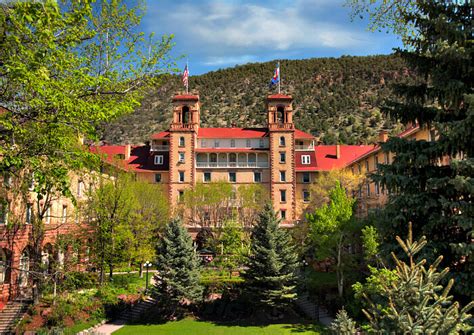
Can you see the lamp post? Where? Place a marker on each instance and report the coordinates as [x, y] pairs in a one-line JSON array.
[[147, 265]]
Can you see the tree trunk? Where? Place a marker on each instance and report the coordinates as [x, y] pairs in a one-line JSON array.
[[111, 271], [140, 271], [340, 275]]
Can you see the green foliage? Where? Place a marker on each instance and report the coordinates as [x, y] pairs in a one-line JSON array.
[[272, 262], [343, 324], [178, 267], [370, 242], [78, 280], [331, 226], [411, 298], [431, 182], [337, 99]]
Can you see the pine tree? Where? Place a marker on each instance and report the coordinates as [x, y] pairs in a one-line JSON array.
[[431, 181], [178, 267], [343, 324], [270, 276], [414, 301]]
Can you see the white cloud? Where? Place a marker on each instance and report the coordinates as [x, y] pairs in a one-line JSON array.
[[219, 61]]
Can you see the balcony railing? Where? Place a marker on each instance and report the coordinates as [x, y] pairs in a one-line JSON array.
[[232, 164], [274, 126], [156, 147], [304, 147]]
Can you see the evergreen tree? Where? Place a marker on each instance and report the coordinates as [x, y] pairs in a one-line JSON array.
[[412, 299], [343, 324], [178, 268], [270, 276], [431, 182]]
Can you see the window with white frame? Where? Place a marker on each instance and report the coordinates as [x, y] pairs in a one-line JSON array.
[[181, 176], [248, 143], [232, 143], [159, 160], [282, 175], [282, 195], [80, 188], [282, 141], [203, 143], [367, 165], [306, 177], [181, 141], [207, 177], [306, 196], [29, 213], [376, 162], [232, 177], [386, 158], [305, 159], [282, 157], [377, 188], [181, 157], [47, 215], [368, 189], [283, 214], [64, 214], [32, 182]]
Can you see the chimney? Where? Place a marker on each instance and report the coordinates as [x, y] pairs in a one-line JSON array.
[[338, 151], [383, 136], [128, 150]]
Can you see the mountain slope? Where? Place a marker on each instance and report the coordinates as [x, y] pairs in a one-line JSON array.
[[337, 99]]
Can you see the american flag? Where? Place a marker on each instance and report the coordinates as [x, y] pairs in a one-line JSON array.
[[185, 76]]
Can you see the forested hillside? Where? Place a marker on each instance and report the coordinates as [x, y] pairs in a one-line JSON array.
[[337, 99]]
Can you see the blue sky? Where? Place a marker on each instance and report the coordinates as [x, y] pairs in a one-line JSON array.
[[218, 34]]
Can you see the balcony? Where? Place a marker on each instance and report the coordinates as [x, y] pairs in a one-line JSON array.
[[159, 147], [232, 160], [232, 165], [304, 147], [279, 126]]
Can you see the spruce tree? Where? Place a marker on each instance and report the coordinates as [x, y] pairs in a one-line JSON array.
[[431, 182], [343, 324], [270, 276], [413, 300], [178, 267]]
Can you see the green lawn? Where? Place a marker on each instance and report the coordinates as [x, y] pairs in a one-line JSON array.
[[193, 327]]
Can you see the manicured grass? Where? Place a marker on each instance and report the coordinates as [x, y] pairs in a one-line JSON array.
[[194, 327]]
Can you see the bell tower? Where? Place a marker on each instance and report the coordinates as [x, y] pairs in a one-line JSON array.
[[183, 139], [282, 156]]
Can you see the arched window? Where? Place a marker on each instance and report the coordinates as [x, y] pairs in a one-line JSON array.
[[24, 268], [280, 114], [282, 141], [4, 266], [185, 114]]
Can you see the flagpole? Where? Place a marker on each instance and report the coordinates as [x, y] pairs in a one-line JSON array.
[[279, 74], [187, 81]]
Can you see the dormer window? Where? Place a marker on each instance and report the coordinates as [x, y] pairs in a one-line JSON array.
[[305, 159], [159, 160]]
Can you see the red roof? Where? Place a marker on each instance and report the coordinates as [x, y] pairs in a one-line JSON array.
[[302, 134], [324, 158], [191, 97], [232, 132], [163, 134], [279, 97], [141, 159]]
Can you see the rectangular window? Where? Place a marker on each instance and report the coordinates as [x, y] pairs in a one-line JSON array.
[[47, 216], [283, 214], [29, 212], [257, 177], [157, 177], [282, 176], [305, 159], [7, 180], [180, 196], [386, 158], [31, 187], [76, 218], [306, 177], [80, 187], [216, 144], [232, 143], [181, 141], [260, 143], [203, 143], [282, 157], [181, 157], [368, 189], [376, 162], [248, 143], [181, 176], [377, 188], [359, 167], [64, 215], [207, 177], [159, 160], [282, 141], [367, 167], [232, 177], [3, 212], [306, 196], [282, 195]]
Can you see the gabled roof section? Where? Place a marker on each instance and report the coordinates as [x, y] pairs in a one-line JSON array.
[[279, 96], [232, 132], [299, 134], [186, 97], [141, 159], [161, 135]]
